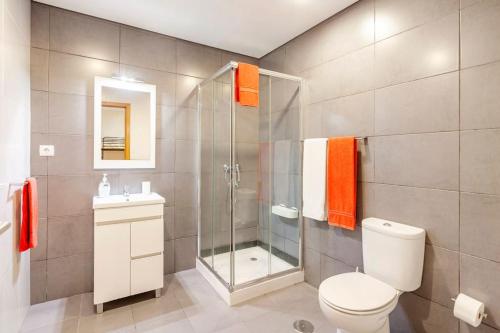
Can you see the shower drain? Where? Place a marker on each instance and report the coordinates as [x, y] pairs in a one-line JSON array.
[[253, 259], [303, 326]]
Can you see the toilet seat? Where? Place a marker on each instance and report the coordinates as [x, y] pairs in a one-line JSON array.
[[357, 293]]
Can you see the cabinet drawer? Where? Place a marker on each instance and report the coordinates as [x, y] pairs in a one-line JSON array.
[[106, 215], [146, 274], [146, 237]]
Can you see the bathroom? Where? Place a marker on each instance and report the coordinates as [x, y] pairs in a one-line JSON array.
[[413, 84]]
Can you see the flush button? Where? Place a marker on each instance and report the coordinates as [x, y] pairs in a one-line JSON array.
[[387, 224]]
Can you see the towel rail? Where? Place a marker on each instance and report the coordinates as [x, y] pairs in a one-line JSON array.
[[12, 184], [10, 187], [4, 226], [362, 138]]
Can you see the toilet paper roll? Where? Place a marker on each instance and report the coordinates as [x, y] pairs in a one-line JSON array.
[[469, 310]]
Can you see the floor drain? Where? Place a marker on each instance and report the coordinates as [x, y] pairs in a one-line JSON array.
[[253, 259], [303, 326]]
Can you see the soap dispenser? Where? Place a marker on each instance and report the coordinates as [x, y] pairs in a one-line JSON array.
[[104, 186]]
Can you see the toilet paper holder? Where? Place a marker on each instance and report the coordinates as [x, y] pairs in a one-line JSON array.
[[483, 315]]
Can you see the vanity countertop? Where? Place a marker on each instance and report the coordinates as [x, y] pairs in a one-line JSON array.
[[124, 201]]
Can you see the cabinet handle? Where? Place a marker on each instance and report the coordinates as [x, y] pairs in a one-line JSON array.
[[139, 219], [147, 255]]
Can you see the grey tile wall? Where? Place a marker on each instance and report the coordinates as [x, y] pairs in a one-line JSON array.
[[67, 50], [430, 161], [420, 79]]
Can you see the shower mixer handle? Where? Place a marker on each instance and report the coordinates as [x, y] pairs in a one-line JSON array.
[[227, 170]]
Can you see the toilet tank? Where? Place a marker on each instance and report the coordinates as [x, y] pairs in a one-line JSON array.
[[393, 253]]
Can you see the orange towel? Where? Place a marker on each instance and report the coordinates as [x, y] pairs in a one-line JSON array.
[[29, 227], [341, 182], [247, 85]]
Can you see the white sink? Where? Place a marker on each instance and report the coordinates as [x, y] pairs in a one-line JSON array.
[[131, 200]]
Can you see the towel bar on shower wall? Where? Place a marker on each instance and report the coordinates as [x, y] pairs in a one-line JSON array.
[[362, 138]]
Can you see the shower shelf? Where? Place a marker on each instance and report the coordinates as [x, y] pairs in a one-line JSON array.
[[284, 211]]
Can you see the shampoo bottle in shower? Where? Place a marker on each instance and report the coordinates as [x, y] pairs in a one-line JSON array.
[[104, 186]]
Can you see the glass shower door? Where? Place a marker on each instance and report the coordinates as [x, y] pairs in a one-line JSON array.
[[215, 173], [267, 150], [250, 163], [222, 176], [251, 153]]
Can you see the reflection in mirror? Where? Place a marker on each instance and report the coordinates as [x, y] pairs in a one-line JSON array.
[[124, 124], [115, 131]]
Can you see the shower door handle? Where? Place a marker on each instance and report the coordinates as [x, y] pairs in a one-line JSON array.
[[227, 170], [238, 176]]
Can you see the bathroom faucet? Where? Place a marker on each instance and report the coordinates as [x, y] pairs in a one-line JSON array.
[[126, 193]]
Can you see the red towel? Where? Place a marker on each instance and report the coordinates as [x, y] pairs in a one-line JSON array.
[[29, 222], [342, 182], [247, 85]]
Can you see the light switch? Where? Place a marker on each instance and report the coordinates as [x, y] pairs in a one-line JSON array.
[[47, 150]]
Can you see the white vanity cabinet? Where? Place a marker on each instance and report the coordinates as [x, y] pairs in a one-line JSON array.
[[128, 246]]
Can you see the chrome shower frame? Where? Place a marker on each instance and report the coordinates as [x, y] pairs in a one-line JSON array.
[[231, 286]]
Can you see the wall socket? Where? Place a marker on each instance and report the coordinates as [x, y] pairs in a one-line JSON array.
[[47, 150]]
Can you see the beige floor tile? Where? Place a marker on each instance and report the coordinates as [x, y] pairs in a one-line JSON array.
[[188, 304], [115, 320], [52, 312], [166, 306], [211, 318], [67, 326], [196, 294], [238, 328], [272, 322], [309, 310], [161, 326], [256, 307]]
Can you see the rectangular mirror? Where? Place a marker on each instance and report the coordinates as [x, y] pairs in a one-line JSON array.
[[124, 124]]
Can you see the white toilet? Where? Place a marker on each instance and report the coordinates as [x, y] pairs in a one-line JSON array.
[[393, 257]]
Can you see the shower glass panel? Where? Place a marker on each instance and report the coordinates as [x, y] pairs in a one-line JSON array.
[[206, 192], [222, 176], [285, 173], [251, 156], [250, 187], [215, 173]]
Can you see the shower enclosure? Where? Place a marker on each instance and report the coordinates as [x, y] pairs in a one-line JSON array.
[[249, 222]]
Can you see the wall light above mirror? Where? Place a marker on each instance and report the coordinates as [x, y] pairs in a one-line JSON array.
[[124, 124]]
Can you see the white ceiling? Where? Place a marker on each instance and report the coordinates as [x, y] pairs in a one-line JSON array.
[[250, 27]]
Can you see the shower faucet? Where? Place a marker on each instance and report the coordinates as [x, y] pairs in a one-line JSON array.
[[227, 170]]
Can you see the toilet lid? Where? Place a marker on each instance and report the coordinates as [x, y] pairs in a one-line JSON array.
[[356, 292]]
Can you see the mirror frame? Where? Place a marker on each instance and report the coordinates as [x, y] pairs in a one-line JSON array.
[[99, 163]]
